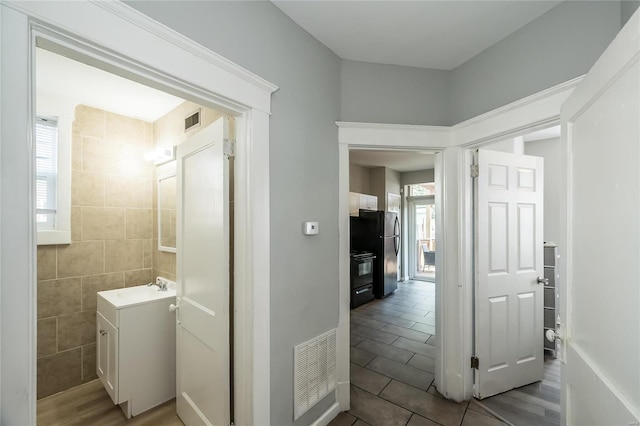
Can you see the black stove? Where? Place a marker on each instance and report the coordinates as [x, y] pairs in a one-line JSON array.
[[361, 277]]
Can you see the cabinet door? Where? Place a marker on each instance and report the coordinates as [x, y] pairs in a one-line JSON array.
[[107, 355], [354, 204], [373, 202], [369, 202]]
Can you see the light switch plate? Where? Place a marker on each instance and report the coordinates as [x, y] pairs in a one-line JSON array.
[[311, 228]]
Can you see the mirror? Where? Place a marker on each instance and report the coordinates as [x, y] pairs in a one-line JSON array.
[[167, 211]]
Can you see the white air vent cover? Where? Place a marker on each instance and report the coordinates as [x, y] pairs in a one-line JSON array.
[[314, 373]]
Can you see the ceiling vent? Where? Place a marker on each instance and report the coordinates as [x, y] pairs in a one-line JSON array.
[[192, 120], [314, 371]]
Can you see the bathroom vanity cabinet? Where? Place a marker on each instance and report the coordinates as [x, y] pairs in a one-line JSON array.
[[136, 347]]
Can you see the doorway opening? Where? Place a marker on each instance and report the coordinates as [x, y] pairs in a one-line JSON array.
[[393, 336], [106, 186]]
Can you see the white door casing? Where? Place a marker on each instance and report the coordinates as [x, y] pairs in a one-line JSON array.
[[600, 319], [202, 287], [509, 260]]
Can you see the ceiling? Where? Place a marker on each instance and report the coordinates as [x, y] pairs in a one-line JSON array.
[[60, 76], [400, 161], [427, 34]]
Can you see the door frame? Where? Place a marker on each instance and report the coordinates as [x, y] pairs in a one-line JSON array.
[[613, 64], [84, 30], [377, 136], [454, 194]]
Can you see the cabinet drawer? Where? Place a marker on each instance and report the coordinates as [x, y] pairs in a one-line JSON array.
[[108, 311]]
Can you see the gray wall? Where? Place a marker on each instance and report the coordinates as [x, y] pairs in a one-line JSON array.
[[560, 45], [377, 93], [549, 149], [377, 185], [303, 164], [392, 183], [420, 176], [627, 8], [359, 178]]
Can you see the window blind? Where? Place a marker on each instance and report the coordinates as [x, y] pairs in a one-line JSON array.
[[46, 172]]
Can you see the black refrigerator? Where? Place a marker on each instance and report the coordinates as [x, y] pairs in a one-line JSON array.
[[382, 237]]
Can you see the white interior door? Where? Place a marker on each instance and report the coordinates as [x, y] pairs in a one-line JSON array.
[[202, 291], [509, 260], [601, 315]]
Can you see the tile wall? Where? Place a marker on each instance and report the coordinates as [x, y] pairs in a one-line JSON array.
[[111, 243]]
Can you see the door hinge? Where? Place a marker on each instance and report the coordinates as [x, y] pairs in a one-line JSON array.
[[230, 147], [475, 170], [475, 362]]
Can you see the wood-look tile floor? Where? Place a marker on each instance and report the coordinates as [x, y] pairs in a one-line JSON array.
[[392, 372], [534, 404], [89, 404], [392, 369]]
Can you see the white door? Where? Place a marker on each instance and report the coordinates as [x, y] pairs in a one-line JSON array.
[[601, 314], [202, 291], [509, 260], [422, 237]]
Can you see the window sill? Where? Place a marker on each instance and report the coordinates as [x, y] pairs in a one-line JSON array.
[[47, 238]]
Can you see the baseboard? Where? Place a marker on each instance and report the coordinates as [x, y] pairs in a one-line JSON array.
[[328, 415], [343, 395]]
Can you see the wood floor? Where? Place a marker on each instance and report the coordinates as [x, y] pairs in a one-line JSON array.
[[89, 404], [534, 404]]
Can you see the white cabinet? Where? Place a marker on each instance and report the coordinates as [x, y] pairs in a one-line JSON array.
[[359, 201], [136, 347]]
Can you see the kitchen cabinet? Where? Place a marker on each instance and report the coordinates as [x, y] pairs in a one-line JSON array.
[[136, 347], [359, 201]]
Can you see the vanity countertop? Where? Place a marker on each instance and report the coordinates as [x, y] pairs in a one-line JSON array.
[[131, 296]]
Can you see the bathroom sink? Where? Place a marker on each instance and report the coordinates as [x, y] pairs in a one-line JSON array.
[[131, 296]]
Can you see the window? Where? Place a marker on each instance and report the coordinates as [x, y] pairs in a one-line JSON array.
[[53, 175], [422, 189], [46, 172]]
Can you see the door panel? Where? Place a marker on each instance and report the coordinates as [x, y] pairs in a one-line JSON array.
[[526, 237], [202, 293], [106, 356], [498, 307], [498, 238], [526, 328], [509, 244]]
